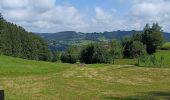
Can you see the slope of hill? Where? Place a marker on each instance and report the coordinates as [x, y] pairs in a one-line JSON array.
[[16, 41], [31, 80], [61, 36], [62, 40]]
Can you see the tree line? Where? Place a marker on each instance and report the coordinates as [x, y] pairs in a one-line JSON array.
[[17, 42], [141, 43]]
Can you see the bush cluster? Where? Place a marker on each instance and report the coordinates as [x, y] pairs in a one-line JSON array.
[[150, 60], [95, 53]]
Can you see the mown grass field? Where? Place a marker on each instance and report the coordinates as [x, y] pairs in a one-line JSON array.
[[33, 80]]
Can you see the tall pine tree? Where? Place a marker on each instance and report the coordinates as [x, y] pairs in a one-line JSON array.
[[17, 42]]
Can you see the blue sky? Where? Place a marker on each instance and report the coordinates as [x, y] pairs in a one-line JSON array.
[[88, 6], [86, 15]]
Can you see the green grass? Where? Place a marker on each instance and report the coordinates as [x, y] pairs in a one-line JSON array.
[[166, 55], [125, 61], [33, 80], [15, 67], [166, 45], [162, 53]]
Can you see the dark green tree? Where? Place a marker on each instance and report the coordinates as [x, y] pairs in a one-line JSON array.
[[132, 48], [95, 53], [69, 56], [137, 36], [55, 56], [64, 57], [87, 54], [17, 42], [152, 37]]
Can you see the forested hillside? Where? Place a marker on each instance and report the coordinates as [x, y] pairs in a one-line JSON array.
[[72, 35], [62, 40], [17, 42]]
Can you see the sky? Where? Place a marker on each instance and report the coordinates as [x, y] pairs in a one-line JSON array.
[[49, 16]]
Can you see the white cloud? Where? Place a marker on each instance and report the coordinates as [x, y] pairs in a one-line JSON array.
[[105, 21], [49, 16], [150, 11], [41, 15], [13, 4]]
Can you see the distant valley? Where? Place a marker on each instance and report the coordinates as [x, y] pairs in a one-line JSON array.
[[63, 40]]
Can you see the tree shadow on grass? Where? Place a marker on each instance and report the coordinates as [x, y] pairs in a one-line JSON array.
[[153, 95]]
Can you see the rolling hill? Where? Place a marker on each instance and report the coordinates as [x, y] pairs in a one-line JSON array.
[[62, 40]]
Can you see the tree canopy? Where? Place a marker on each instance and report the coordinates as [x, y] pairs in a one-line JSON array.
[[152, 37], [95, 53], [17, 42]]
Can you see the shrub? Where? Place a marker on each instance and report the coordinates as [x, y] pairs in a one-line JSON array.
[[86, 55], [95, 53], [150, 60], [69, 56], [132, 48], [55, 56], [138, 49]]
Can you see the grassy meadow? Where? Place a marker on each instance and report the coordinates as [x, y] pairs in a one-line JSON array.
[[166, 45], [34, 80]]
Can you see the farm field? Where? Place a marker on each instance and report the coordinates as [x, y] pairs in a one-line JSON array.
[[34, 80]]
